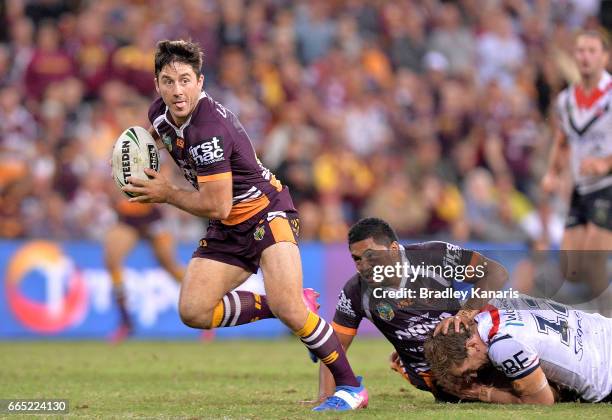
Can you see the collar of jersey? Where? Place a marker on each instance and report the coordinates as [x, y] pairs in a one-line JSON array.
[[180, 129]]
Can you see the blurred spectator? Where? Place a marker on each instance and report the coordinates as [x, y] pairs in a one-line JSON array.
[[49, 63], [500, 51], [315, 29], [431, 114], [451, 38]]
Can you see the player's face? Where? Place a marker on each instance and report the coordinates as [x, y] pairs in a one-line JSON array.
[[590, 56], [477, 358], [180, 88], [367, 254]]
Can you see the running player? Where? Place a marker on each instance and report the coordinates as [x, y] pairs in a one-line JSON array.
[[252, 219], [405, 322], [533, 342], [585, 130], [136, 221]]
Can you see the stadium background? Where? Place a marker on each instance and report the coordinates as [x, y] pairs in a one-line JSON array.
[[433, 115]]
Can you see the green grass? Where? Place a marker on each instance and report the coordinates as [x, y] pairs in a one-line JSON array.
[[223, 379]]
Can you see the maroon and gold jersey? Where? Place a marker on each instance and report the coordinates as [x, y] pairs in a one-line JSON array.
[[213, 145], [405, 322]]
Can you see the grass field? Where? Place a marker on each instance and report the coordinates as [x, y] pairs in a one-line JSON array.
[[223, 379]]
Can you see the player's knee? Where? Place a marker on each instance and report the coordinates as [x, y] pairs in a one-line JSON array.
[[194, 317], [290, 315]]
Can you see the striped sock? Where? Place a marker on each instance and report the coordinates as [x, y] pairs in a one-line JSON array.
[[321, 340], [237, 308]]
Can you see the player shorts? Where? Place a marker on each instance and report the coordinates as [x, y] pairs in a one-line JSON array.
[[147, 225], [594, 207], [242, 244]]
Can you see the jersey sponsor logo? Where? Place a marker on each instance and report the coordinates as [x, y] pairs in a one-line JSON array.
[[452, 256], [209, 151], [385, 311], [418, 331], [345, 305], [153, 157], [578, 345], [516, 363]]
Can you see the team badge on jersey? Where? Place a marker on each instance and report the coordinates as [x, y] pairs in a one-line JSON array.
[[385, 311], [167, 140], [259, 233]]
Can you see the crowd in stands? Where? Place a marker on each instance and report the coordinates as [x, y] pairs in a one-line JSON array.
[[434, 115]]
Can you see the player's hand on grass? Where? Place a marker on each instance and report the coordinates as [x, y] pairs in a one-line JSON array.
[[461, 388], [156, 189], [464, 317], [592, 166]]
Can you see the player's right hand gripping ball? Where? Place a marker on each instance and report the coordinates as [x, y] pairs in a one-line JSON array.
[[134, 151]]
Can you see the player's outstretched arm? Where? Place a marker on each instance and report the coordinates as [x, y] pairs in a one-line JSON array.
[[213, 199], [532, 389], [555, 162]]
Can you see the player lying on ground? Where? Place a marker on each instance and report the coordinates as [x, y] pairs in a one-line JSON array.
[[404, 322], [533, 342], [253, 222]]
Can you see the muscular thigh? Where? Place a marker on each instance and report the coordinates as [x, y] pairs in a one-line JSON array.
[[207, 281], [282, 272], [598, 238]]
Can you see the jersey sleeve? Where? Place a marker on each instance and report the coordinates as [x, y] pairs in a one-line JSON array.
[[515, 359], [211, 153], [349, 311], [156, 110]]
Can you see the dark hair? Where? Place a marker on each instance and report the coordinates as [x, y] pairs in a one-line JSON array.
[[178, 51], [372, 227], [444, 351], [600, 34]]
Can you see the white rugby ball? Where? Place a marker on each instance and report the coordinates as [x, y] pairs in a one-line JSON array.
[[134, 150]]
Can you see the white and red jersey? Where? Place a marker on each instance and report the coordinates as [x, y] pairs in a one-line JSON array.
[[586, 121], [573, 348]]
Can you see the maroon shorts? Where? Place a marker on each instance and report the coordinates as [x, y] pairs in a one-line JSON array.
[[147, 225], [242, 244]]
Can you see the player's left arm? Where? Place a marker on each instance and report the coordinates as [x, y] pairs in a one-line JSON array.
[[213, 199], [596, 166], [484, 274]]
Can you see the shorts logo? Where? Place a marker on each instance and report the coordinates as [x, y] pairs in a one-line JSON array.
[[385, 311], [203, 243], [259, 233], [602, 210], [209, 151], [295, 226]]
